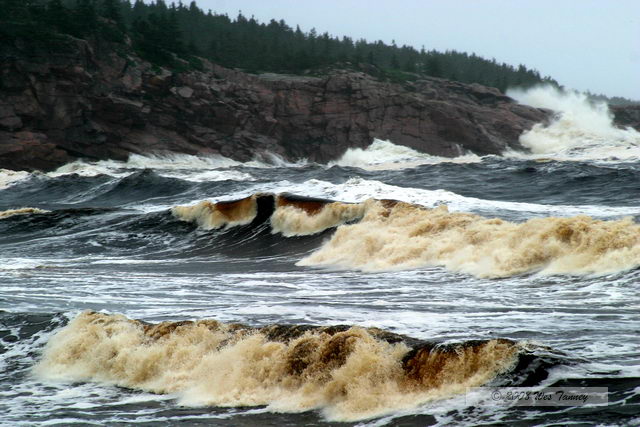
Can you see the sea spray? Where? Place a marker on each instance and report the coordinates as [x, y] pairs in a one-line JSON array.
[[580, 130]]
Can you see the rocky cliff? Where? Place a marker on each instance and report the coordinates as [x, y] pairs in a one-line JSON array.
[[100, 102], [626, 116]]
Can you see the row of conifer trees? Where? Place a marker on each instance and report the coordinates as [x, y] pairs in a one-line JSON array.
[[160, 31]]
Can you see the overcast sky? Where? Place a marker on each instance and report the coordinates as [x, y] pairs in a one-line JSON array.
[[584, 44]]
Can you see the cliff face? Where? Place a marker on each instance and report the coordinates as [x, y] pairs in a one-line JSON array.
[[95, 103]]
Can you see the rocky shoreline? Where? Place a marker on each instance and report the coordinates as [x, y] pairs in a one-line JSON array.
[[96, 102]]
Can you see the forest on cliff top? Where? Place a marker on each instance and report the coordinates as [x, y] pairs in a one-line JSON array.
[[168, 34]]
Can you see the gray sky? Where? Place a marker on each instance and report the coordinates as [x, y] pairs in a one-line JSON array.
[[584, 44]]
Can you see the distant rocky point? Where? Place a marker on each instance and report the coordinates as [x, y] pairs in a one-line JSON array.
[[626, 116], [96, 103]]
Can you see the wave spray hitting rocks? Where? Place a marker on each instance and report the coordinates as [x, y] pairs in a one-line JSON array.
[[580, 130]]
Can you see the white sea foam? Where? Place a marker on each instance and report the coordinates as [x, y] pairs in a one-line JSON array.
[[381, 155], [356, 190], [16, 264], [183, 166], [210, 175], [194, 168], [10, 177], [580, 130]]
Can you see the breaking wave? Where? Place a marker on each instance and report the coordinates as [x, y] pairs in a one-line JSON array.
[[580, 130], [407, 236], [188, 167], [347, 372], [168, 163], [9, 177], [378, 235], [137, 161], [21, 211], [386, 155], [287, 214]]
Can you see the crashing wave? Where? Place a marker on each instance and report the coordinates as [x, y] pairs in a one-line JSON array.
[[379, 235], [386, 155], [407, 236], [288, 214], [348, 372], [184, 166], [581, 129], [9, 177]]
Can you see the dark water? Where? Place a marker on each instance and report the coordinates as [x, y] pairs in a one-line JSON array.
[[109, 242]]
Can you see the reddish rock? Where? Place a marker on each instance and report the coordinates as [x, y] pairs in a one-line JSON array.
[[96, 104], [27, 150]]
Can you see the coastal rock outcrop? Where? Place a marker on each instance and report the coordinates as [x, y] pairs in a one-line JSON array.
[[97, 103], [626, 116]]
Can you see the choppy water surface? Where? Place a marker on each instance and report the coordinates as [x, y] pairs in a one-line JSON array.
[[529, 277]]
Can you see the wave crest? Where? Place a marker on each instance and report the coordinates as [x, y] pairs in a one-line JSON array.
[[208, 215], [386, 155], [408, 236], [288, 214], [21, 211], [349, 373], [379, 235]]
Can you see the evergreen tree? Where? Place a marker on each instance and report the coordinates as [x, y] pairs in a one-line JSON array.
[[86, 18], [57, 16], [14, 11], [434, 67], [162, 32], [111, 9], [173, 33], [371, 59], [139, 10], [409, 65]]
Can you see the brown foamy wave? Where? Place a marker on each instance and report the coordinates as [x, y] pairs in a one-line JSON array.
[[295, 218], [349, 373], [22, 211], [401, 236], [208, 215], [288, 214], [379, 235]]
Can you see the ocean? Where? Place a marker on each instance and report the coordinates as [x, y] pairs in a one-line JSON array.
[[388, 287]]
